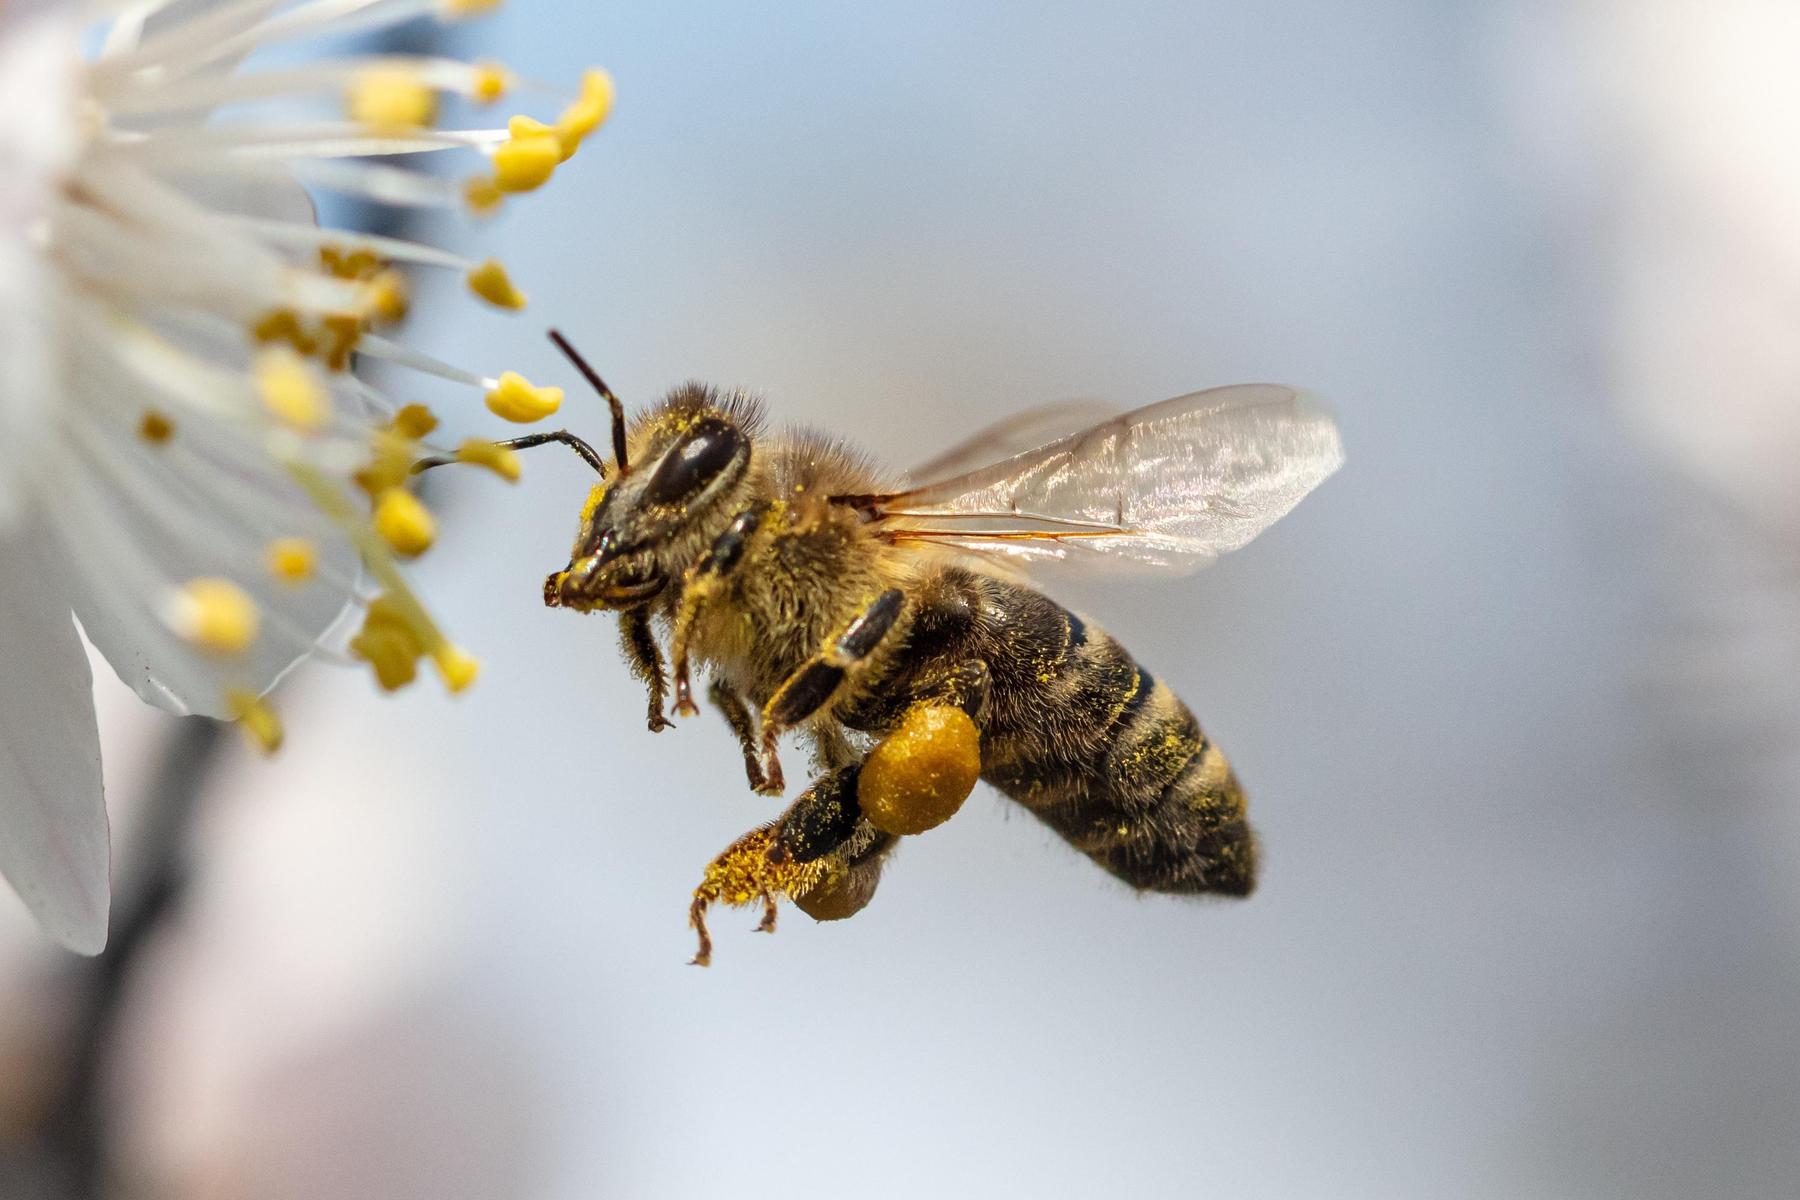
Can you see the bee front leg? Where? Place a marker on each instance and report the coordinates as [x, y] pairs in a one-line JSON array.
[[704, 580], [639, 644]]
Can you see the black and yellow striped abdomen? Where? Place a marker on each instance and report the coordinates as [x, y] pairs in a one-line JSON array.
[[1080, 734]]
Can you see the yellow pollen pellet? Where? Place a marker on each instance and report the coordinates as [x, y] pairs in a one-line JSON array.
[[492, 81], [391, 98], [404, 522], [414, 421], [292, 559], [501, 460], [482, 195], [216, 615], [516, 400], [255, 718], [155, 427], [491, 282], [456, 666], [291, 391], [522, 164]]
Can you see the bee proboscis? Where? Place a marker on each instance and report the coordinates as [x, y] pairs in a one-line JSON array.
[[893, 622]]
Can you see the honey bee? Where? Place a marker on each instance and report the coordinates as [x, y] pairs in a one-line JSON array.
[[894, 624]]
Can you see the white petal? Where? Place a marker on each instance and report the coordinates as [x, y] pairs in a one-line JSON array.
[[144, 519], [53, 831], [38, 59]]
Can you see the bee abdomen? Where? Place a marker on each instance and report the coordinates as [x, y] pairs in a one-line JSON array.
[[1120, 768]]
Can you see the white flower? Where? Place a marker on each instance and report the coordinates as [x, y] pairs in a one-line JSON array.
[[187, 463]]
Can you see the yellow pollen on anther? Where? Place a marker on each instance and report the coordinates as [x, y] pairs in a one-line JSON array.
[[390, 462], [388, 296], [292, 559], [501, 460], [456, 666], [492, 81], [414, 421], [389, 642], [216, 615], [391, 98], [523, 164], [283, 325], [515, 399], [404, 522], [290, 390], [482, 195], [155, 428], [491, 282], [256, 718]]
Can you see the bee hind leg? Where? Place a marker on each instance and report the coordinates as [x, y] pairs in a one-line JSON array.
[[752, 870]]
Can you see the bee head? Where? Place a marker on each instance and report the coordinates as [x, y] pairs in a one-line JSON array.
[[685, 476]]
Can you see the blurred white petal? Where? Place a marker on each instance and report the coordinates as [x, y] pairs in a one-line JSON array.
[[37, 77], [53, 832]]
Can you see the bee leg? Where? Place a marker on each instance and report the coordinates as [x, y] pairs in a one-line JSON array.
[[825, 826], [817, 680], [646, 662], [752, 870], [703, 581], [737, 715]]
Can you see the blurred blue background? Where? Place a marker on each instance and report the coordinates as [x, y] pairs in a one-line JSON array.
[[1512, 693]]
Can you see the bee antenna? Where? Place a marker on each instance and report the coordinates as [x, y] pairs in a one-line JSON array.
[[599, 384]]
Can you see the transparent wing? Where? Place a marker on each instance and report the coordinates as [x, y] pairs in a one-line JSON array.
[[1166, 488], [1012, 435]]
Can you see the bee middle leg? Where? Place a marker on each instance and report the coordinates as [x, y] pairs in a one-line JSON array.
[[817, 680], [737, 714]]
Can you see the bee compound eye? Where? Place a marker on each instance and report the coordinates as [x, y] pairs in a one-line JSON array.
[[693, 462]]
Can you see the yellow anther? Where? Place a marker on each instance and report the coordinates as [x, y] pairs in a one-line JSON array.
[[388, 296], [482, 194], [390, 642], [155, 427], [391, 98], [292, 559], [290, 390], [414, 421], [516, 400], [457, 666], [342, 333], [283, 325], [456, 10], [256, 718], [501, 460], [525, 128], [216, 615], [522, 164], [492, 81], [588, 111], [491, 282], [404, 522]]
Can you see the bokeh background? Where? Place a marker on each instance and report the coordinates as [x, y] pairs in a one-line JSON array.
[[1517, 694]]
